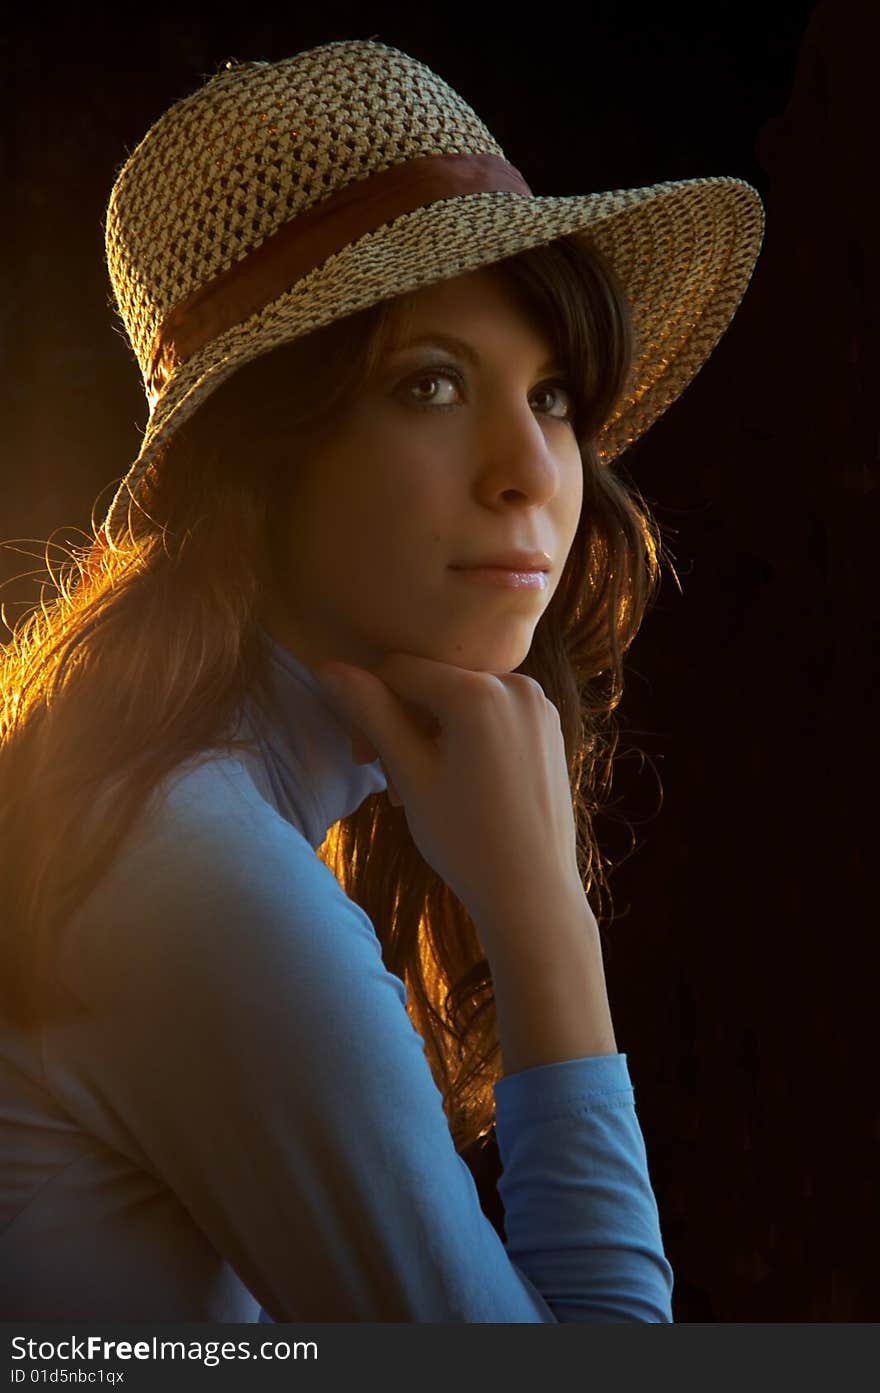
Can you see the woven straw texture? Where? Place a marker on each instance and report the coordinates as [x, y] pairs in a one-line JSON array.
[[226, 167]]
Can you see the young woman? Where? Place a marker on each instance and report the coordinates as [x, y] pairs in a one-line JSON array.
[[299, 769]]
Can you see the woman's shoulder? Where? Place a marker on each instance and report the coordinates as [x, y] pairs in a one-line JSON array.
[[210, 790], [209, 812], [208, 823], [208, 858]]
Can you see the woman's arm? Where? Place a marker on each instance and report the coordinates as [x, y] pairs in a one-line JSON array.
[[244, 1042], [549, 980]]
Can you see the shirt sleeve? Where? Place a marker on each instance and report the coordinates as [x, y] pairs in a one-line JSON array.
[[242, 1028]]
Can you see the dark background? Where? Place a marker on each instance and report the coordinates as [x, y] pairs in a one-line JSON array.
[[742, 960]]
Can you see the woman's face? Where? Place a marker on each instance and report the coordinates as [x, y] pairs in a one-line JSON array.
[[441, 461]]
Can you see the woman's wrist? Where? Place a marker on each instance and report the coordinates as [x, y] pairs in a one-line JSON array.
[[549, 981]]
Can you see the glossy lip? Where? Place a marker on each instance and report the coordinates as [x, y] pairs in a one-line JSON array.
[[519, 561], [503, 576]]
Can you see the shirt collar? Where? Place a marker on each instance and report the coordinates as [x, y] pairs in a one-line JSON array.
[[302, 764]]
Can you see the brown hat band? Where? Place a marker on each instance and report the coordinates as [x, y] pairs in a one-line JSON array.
[[308, 239]]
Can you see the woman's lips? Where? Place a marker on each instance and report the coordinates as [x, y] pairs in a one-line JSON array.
[[503, 576]]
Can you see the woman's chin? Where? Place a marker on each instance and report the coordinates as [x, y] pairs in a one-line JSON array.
[[486, 657]]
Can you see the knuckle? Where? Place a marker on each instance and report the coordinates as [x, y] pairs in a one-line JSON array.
[[482, 690], [388, 665], [528, 687]]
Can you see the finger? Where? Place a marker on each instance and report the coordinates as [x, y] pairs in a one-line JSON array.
[[362, 751], [381, 719], [394, 797], [434, 693]]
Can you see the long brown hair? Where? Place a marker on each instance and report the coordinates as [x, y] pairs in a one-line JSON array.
[[142, 659]]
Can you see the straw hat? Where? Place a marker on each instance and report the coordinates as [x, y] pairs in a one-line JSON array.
[[281, 196]]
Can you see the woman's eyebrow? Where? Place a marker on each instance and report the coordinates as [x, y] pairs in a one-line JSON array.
[[457, 345]]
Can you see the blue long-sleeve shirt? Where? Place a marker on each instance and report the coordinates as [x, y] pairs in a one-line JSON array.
[[242, 1116]]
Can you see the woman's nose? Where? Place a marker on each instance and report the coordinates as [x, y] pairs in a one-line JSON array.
[[517, 460]]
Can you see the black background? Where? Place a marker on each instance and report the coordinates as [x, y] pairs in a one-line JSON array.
[[742, 960]]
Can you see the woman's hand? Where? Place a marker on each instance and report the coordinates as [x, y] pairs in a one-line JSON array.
[[478, 763]]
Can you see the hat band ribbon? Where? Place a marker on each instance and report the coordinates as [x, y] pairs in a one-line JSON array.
[[301, 245]]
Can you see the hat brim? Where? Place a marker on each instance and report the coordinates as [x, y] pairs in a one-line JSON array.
[[684, 251]]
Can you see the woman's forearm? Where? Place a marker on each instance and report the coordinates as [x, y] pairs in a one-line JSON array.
[[549, 978]]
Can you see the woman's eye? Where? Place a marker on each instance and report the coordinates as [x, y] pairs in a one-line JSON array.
[[433, 377], [555, 389]]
